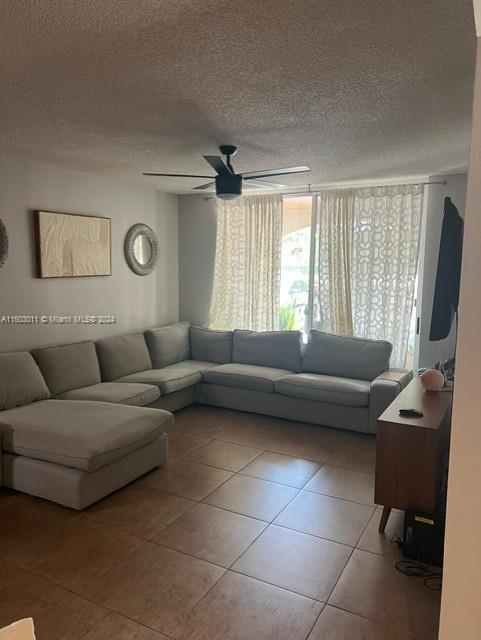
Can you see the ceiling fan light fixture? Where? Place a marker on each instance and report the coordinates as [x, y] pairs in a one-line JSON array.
[[228, 196], [228, 187], [228, 183]]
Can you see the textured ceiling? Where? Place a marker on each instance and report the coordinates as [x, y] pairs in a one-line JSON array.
[[359, 89]]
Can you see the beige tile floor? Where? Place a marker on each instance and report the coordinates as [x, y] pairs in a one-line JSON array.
[[257, 529]]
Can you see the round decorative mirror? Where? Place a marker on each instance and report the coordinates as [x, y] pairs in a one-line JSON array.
[[141, 249], [3, 244]]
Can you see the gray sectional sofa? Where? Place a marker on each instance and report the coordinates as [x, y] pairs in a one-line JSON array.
[[79, 421]]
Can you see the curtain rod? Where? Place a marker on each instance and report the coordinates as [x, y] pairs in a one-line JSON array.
[[313, 190]]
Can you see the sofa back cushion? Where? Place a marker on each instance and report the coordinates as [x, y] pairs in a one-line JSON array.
[[122, 355], [278, 349], [21, 381], [208, 345], [169, 344], [346, 357], [69, 366]]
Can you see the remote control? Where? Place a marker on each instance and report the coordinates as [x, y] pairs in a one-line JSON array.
[[411, 413]]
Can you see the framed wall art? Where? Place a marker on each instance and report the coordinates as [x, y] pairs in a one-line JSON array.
[[70, 245]]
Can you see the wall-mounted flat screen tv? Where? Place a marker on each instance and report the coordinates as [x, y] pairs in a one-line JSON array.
[[446, 293]]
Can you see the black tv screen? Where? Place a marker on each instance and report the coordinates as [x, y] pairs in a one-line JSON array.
[[446, 293]]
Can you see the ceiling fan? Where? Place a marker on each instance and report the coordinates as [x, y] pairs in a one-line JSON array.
[[228, 183]]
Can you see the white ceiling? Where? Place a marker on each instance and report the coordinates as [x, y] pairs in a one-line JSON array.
[[357, 90]]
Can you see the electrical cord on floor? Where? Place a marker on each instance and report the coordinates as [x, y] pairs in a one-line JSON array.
[[432, 577]]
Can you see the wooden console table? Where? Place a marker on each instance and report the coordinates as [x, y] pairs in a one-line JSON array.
[[411, 454]]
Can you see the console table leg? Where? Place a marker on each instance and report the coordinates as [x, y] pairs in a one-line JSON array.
[[384, 518]]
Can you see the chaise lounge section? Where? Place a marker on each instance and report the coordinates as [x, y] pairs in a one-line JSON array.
[[73, 452]]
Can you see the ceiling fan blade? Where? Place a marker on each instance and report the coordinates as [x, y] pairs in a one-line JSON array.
[[206, 186], [265, 184], [219, 165], [252, 175], [174, 175]]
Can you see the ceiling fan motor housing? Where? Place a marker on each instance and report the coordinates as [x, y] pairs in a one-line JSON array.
[[228, 187]]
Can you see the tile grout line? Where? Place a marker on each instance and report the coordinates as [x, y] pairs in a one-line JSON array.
[[312, 535], [354, 548], [246, 475], [254, 446], [331, 591], [343, 466], [276, 586], [283, 484], [311, 460], [227, 570], [84, 597], [381, 622], [329, 495], [311, 629], [173, 455], [268, 450], [347, 560], [223, 468], [268, 524], [90, 518], [106, 607]]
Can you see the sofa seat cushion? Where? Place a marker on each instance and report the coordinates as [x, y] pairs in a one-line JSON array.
[[195, 365], [169, 379], [133, 394], [78, 433], [245, 376], [311, 386]]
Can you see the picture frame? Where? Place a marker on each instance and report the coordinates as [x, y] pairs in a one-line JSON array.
[[70, 245]]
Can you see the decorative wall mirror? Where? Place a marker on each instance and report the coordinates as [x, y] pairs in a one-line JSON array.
[[141, 249], [3, 244]]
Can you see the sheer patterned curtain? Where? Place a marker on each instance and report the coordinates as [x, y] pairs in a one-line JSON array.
[[367, 250], [335, 227], [247, 269]]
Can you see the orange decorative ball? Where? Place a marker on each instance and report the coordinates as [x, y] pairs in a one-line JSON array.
[[432, 380]]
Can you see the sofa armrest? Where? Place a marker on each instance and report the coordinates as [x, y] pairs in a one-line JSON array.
[[383, 390]]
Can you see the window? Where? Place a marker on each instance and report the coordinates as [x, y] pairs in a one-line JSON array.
[[348, 264], [295, 264]]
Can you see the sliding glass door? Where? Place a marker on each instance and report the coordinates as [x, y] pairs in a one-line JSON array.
[[343, 264], [296, 268]]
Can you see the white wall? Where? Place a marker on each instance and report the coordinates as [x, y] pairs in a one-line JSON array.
[[197, 236], [461, 600], [136, 301], [432, 352]]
